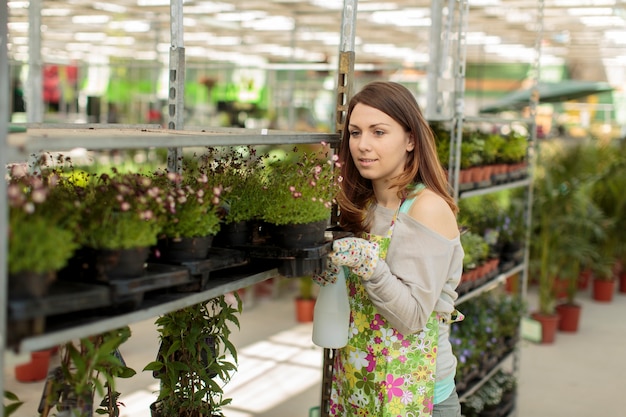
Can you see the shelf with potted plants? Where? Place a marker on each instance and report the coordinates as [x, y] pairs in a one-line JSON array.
[[494, 213], [158, 302], [491, 158], [488, 340]]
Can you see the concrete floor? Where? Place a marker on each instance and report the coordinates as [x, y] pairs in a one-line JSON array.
[[580, 375]]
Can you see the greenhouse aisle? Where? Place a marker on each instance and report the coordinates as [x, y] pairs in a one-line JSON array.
[[581, 374]]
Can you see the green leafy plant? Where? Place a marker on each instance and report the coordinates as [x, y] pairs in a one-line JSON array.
[[471, 150], [192, 364], [191, 201], [301, 187], [492, 148], [41, 204], [515, 147], [121, 211], [238, 170], [567, 224], [608, 193], [89, 366], [476, 249]]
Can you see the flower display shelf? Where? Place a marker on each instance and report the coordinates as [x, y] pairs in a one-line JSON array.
[[294, 262], [467, 388], [477, 188], [199, 271], [28, 316], [128, 293]]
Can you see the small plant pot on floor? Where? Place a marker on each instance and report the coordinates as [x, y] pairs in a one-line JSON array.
[[603, 290], [549, 325], [569, 317], [36, 369]]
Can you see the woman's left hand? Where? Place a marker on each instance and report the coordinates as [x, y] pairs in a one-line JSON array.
[[358, 254]]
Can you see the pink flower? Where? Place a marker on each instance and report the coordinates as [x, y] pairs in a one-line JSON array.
[[392, 386]]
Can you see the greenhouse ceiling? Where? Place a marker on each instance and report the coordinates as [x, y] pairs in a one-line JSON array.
[[589, 36]]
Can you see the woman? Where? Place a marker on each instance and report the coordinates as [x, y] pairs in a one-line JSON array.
[[404, 264]]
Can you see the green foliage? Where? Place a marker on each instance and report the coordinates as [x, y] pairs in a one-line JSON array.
[[300, 188], [442, 138], [41, 205], [515, 148], [91, 365], [476, 249], [192, 363], [13, 404], [121, 211], [567, 224], [490, 394], [471, 149], [492, 148], [191, 201], [238, 170], [609, 193], [492, 322]]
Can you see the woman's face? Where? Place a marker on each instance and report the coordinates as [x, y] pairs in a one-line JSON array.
[[378, 144]]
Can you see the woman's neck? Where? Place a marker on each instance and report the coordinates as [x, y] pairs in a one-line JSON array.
[[385, 196]]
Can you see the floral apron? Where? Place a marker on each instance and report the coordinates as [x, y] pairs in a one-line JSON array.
[[382, 372]]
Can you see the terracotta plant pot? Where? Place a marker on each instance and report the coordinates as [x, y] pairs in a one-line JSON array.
[[569, 314], [304, 310], [36, 369], [549, 325], [603, 290]]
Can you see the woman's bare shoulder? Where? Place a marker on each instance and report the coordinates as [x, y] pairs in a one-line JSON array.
[[433, 211]]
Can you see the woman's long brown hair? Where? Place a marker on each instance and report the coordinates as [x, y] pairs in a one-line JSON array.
[[422, 165]]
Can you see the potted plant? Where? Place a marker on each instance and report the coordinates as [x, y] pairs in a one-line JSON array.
[[88, 366], [608, 193], [119, 223], [191, 217], [192, 364], [547, 225], [238, 170], [573, 171], [40, 204], [299, 191], [305, 301]]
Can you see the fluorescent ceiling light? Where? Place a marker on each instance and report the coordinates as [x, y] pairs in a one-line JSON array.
[[600, 21], [406, 17], [518, 16], [241, 16], [18, 26], [581, 3], [590, 11], [616, 36], [120, 40], [56, 11], [90, 36], [208, 7], [327, 38], [328, 4], [372, 7], [18, 4], [109, 7], [135, 26], [94, 19], [482, 3], [481, 38], [148, 3], [281, 23]]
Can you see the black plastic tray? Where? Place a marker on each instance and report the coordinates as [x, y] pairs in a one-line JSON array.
[[62, 297]]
